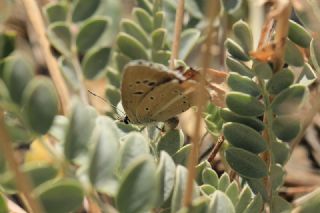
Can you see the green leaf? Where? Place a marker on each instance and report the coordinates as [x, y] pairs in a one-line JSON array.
[[207, 189], [252, 122], [171, 142], [286, 128], [69, 73], [277, 176], [307, 75], [56, 12], [236, 66], [262, 70], [224, 182], [255, 205], [40, 103], [188, 41], [181, 156], [39, 172], [166, 172], [281, 152], [244, 199], [145, 4], [7, 44], [50, 196], [293, 55], [242, 136], [114, 77], [3, 204], [280, 81], [246, 163], [231, 6], [289, 100], [278, 204], [161, 57], [210, 177], [315, 53], [17, 75], [60, 37], [131, 47], [144, 19], [121, 60], [199, 170], [243, 34], [244, 104], [79, 131], [258, 187], [159, 37], [134, 30], [113, 95], [158, 19], [90, 32], [220, 203], [59, 126], [299, 35], [179, 189], [134, 145], [83, 9], [95, 62], [104, 156], [139, 187], [233, 192], [243, 84], [236, 50]]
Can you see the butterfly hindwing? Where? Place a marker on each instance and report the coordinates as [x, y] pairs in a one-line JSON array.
[[138, 80], [166, 101]]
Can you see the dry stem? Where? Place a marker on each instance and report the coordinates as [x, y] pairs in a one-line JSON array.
[[177, 33], [22, 181], [201, 100], [36, 20]]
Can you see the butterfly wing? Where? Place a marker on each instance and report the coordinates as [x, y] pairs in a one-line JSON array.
[[138, 79], [166, 101]]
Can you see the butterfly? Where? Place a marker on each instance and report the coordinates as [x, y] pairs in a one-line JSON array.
[[150, 92]]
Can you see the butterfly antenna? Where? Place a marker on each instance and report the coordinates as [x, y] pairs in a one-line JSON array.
[[106, 101]]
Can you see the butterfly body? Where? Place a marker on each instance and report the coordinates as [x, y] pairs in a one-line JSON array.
[[152, 93]]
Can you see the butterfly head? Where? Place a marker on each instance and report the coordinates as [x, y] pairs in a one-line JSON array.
[[126, 120]]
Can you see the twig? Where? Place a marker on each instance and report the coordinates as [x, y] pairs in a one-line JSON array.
[[22, 181], [177, 33], [36, 20], [193, 156], [216, 149]]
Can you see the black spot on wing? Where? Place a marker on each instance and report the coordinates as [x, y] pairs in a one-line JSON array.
[[138, 93]]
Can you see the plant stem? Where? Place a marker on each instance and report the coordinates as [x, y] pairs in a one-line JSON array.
[[177, 33], [200, 100], [36, 20], [22, 181]]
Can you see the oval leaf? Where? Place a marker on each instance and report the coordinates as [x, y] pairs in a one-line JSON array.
[[244, 137], [236, 50], [246, 163], [84, 9], [131, 47], [144, 19], [189, 39], [90, 32], [60, 37], [289, 100], [243, 84], [262, 70], [50, 196], [252, 122], [238, 67], [171, 142], [220, 203], [280, 81], [286, 128], [293, 55], [135, 31], [41, 104], [299, 35], [56, 12], [243, 33], [104, 156], [244, 104], [95, 61], [138, 189]]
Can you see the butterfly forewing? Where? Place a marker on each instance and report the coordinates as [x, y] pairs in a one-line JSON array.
[[166, 101], [138, 80]]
